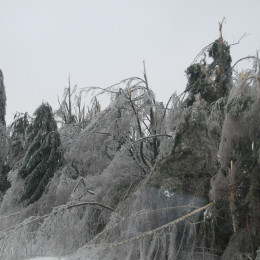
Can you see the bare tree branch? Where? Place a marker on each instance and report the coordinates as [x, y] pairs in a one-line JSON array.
[[82, 180], [147, 137], [239, 40], [248, 57], [11, 215]]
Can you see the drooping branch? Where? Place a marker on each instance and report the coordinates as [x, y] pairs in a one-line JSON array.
[[138, 214], [245, 58], [174, 222], [56, 211], [89, 203], [239, 40]]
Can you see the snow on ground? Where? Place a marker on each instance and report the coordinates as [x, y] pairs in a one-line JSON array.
[[47, 258]]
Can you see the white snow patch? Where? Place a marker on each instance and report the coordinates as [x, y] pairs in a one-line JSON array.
[[168, 194]]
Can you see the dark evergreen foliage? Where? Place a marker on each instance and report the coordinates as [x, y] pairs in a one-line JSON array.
[[248, 184], [198, 83], [43, 154], [212, 80], [18, 134], [4, 183], [2, 99], [220, 52]]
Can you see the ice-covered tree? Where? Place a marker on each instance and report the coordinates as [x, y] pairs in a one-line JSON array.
[[18, 130], [2, 99], [43, 154], [136, 103], [210, 73], [72, 109], [3, 136]]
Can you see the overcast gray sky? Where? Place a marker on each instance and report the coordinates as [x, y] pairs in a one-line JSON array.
[[100, 42]]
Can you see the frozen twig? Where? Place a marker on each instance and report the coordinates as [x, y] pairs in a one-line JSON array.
[[245, 58], [33, 219], [11, 215], [240, 39], [138, 214], [90, 203], [130, 187], [82, 180], [176, 221], [146, 137]]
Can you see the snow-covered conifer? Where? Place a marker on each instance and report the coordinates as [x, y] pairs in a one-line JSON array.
[[43, 154], [2, 99]]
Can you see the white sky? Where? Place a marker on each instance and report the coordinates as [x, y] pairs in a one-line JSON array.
[[100, 42]]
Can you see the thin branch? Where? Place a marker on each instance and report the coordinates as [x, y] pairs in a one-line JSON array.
[[90, 203], [130, 187], [147, 137], [182, 238], [139, 128], [176, 221], [248, 57], [57, 210], [179, 96], [108, 89], [201, 52], [101, 133], [239, 40], [82, 180], [169, 100], [11, 215], [138, 214]]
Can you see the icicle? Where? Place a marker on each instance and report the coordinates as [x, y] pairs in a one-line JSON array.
[[253, 144]]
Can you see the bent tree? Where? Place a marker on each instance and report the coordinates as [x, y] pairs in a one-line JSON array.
[[43, 154]]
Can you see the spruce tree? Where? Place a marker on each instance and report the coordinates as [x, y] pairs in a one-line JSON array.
[[213, 80], [4, 184], [43, 154], [18, 130], [2, 99]]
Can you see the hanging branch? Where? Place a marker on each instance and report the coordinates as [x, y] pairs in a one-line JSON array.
[[248, 57], [145, 234], [138, 214], [59, 209], [240, 39]]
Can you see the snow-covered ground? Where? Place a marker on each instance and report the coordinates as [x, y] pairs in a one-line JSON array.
[[47, 258]]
